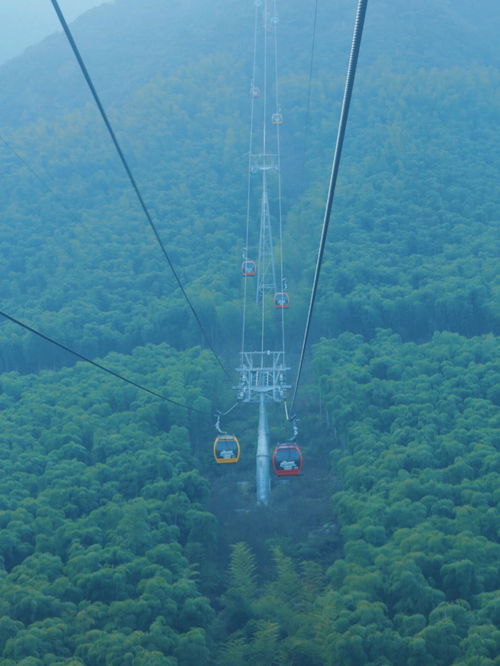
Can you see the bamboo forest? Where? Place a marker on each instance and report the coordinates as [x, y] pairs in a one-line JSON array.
[[250, 307]]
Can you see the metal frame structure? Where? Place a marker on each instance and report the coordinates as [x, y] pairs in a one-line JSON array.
[[263, 380], [263, 374], [264, 162], [266, 272]]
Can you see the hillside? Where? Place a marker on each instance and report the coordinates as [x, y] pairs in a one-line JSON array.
[[121, 541]]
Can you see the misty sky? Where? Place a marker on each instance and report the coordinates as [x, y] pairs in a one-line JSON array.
[[26, 22]]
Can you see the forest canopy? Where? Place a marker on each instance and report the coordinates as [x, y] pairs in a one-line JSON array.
[[121, 541]]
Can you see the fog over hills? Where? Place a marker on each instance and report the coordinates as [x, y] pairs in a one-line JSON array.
[[25, 22], [122, 541], [127, 43]]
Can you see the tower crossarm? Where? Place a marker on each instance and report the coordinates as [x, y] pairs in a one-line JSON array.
[[262, 373], [264, 162]]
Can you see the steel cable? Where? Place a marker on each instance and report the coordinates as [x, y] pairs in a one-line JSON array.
[[351, 73], [278, 152], [128, 171], [99, 365], [249, 178]]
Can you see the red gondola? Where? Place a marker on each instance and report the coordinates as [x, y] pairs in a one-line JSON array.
[[287, 460], [281, 300], [248, 268], [254, 91], [226, 449]]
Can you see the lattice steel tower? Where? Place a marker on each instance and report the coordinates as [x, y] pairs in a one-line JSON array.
[[266, 274], [263, 370]]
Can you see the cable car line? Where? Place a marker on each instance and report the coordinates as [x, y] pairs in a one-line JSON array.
[[265, 201], [262, 369], [351, 73], [278, 153], [128, 171], [249, 178], [99, 365]]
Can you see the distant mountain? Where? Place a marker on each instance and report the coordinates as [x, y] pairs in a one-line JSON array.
[[413, 236], [25, 22], [127, 43], [380, 552]]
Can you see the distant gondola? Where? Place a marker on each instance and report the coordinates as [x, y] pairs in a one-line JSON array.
[[226, 449], [254, 91], [277, 118], [281, 300], [287, 460], [248, 268]]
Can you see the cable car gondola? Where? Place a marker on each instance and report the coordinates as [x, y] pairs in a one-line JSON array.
[[281, 300], [248, 268], [254, 91], [277, 118], [287, 459], [226, 449]]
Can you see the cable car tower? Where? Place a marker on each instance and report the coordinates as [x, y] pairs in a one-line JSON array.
[[263, 369]]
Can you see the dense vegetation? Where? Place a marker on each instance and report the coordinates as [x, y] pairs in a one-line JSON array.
[[120, 541], [416, 582]]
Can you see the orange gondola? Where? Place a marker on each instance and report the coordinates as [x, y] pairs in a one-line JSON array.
[[226, 449], [248, 268], [287, 459]]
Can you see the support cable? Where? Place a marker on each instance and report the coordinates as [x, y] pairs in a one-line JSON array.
[[236, 404], [351, 73], [278, 152], [249, 183], [128, 171], [99, 366], [219, 414], [264, 179]]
